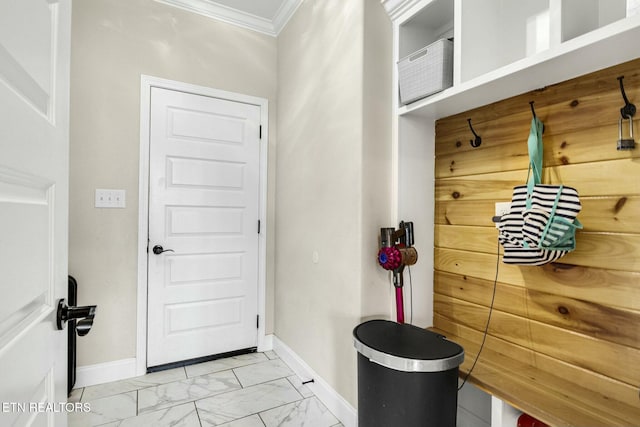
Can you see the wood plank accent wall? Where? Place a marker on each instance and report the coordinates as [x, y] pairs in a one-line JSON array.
[[564, 339]]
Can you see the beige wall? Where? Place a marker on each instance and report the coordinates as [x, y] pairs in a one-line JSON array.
[[333, 181], [113, 43]]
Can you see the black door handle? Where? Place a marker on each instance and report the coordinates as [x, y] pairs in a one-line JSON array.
[[84, 316], [157, 249]]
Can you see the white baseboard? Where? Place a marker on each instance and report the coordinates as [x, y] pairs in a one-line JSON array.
[[265, 343], [105, 372], [338, 406]]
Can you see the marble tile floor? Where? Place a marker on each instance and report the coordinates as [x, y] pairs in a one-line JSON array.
[[251, 390]]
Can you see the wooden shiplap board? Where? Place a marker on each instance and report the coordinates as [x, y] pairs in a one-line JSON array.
[[564, 339]]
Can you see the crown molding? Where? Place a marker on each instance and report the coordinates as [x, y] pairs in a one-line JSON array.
[[284, 14], [225, 14], [238, 17]]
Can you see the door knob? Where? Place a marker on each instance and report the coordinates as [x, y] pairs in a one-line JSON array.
[[84, 315], [157, 249]]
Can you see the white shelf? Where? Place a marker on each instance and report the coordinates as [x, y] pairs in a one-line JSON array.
[[578, 17], [433, 22], [604, 47], [496, 33]]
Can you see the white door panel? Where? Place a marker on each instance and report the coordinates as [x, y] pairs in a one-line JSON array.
[[203, 205], [34, 104]]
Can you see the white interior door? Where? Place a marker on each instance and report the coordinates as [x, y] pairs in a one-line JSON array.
[[34, 134], [203, 206]]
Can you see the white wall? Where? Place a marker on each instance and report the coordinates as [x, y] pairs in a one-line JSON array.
[[474, 407], [416, 197], [378, 297], [113, 43], [333, 175]]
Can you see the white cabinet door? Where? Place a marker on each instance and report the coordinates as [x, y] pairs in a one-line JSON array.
[[34, 144], [203, 206]]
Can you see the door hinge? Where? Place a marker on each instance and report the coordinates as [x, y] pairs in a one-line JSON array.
[[257, 321], [258, 226], [260, 135]]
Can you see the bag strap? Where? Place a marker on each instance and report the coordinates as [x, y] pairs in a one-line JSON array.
[[536, 151], [543, 237], [535, 157], [534, 144]]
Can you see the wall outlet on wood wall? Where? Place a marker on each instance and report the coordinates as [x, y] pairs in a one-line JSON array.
[[501, 209]]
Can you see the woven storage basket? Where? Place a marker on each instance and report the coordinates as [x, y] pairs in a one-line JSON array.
[[426, 71]]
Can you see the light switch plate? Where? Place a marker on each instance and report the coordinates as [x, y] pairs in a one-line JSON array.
[[110, 198]]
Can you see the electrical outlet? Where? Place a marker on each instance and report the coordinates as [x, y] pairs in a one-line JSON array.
[[501, 209]]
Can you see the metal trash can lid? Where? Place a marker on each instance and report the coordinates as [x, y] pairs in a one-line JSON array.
[[405, 347]]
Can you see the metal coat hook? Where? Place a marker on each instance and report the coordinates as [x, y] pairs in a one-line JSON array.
[[533, 111], [477, 140], [629, 110]]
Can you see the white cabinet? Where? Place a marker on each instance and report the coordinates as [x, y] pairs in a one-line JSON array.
[[495, 34], [506, 47]]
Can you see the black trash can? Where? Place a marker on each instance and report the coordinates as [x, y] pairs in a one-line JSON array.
[[407, 376]]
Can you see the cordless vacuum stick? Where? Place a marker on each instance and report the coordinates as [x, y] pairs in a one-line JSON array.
[[397, 251]]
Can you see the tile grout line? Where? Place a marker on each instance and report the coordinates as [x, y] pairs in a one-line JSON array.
[[286, 377], [284, 404], [197, 413], [253, 362], [136, 388], [254, 385], [302, 385], [233, 371], [339, 423]]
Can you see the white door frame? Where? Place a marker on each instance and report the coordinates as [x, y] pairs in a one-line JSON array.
[[146, 83]]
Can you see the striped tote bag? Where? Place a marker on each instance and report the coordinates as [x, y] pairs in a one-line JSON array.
[[542, 220]]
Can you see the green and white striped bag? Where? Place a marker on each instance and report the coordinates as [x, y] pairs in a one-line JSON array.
[[542, 220]]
